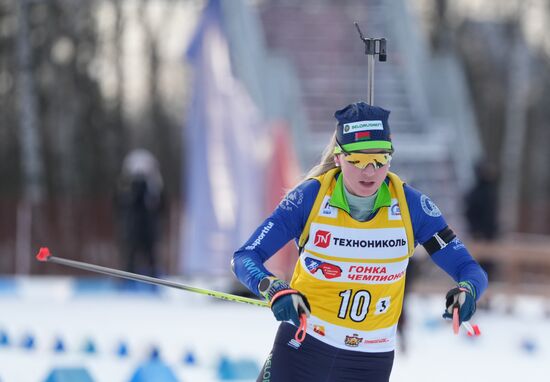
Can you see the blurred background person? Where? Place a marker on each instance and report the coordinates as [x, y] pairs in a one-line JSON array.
[[139, 204], [481, 203], [481, 211]]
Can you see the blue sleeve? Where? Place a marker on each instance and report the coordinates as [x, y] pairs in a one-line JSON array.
[[285, 223], [454, 259]]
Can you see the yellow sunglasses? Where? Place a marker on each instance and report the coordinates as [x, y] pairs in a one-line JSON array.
[[362, 160]]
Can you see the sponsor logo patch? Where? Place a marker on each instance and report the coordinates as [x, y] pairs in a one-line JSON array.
[[353, 341], [292, 200], [294, 344], [394, 212], [362, 126], [377, 341], [351, 242], [429, 207], [319, 329], [327, 210], [457, 244], [357, 243], [266, 371], [322, 239], [330, 271], [260, 237]]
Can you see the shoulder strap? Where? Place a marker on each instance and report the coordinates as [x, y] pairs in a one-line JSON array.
[[404, 208], [325, 180]]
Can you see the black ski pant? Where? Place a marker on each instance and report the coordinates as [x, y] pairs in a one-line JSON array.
[[315, 361]]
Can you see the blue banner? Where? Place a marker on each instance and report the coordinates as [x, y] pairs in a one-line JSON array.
[[226, 145]]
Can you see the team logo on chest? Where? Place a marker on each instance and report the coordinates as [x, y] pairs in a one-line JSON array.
[[322, 238]]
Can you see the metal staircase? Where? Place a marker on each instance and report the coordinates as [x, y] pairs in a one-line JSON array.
[[320, 40]]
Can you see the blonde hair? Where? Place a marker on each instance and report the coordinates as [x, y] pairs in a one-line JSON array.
[[327, 160]]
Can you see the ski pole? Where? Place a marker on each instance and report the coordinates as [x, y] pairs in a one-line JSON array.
[[472, 330], [44, 255]]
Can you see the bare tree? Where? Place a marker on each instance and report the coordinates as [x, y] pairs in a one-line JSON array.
[[31, 148]]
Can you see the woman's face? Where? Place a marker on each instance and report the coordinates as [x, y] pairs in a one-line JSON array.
[[362, 182]]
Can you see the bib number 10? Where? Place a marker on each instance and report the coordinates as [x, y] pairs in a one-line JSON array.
[[355, 304]]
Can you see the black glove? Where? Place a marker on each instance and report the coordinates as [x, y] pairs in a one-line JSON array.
[[286, 303], [463, 297]]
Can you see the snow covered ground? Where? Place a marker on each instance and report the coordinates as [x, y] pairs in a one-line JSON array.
[[192, 333]]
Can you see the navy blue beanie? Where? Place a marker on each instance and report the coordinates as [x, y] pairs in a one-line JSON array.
[[362, 126]]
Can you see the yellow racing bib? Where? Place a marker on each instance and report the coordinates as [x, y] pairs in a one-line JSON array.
[[353, 273]]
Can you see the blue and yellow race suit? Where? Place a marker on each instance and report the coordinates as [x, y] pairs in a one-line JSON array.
[[353, 273]]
